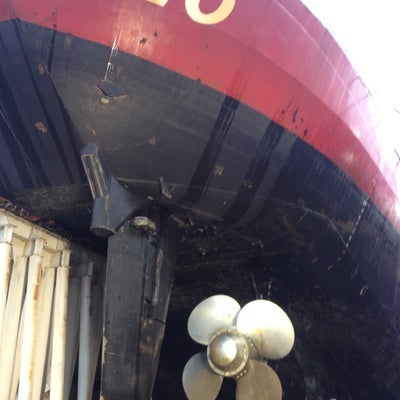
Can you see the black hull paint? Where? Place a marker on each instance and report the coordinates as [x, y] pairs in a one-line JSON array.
[[225, 165]]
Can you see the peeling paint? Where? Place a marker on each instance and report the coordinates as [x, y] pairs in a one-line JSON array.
[[218, 170], [90, 129], [248, 184], [40, 126], [42, 69]]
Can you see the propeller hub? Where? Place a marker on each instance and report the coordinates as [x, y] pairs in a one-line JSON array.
[[223, 350], [228, 352]]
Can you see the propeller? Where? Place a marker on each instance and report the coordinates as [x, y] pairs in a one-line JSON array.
[[238, 342]]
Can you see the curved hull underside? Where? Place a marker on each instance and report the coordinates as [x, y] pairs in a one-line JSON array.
[[242, 185]]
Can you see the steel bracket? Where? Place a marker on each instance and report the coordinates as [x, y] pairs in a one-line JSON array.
[[113, 204]]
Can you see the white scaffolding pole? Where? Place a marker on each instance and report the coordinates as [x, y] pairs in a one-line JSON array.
[[12, 320], [60, 328], [90, 334], [84, 389], [30, 321], [6, 231], [17, 361], [43, 331], [72, 333]]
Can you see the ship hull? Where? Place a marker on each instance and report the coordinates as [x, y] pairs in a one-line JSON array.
[[249, 161], [220, 159]]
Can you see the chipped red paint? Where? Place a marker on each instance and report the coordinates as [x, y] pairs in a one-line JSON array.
[[274, 56]]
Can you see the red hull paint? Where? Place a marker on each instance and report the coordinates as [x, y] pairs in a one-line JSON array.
[[272, 55]]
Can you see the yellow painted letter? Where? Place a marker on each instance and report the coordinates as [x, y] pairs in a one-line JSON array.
[[221, 13], [161, 3]]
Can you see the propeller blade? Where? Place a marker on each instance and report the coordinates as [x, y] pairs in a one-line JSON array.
[[268, 326], [260, 383], [199, 381], [214, 313]]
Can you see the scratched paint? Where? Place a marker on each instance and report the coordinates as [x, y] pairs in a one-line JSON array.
[[111, 59]]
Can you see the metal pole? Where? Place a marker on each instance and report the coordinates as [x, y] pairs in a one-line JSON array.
[[42, 337], [30, 321], [60, 329], [90, 334], [84, 390], [6, 231], [17, 359], [72, 333], [12, 320]]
